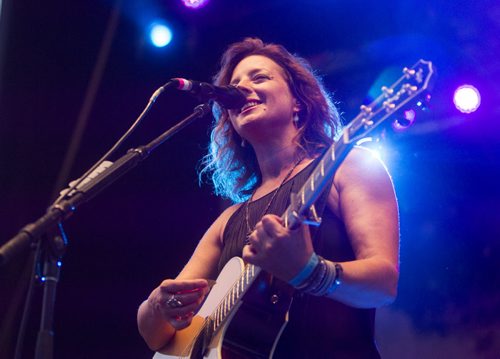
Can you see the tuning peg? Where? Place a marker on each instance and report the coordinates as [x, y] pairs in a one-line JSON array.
[[409, 89], [387, 91], [365, 109], [408, 72], [389, 106]]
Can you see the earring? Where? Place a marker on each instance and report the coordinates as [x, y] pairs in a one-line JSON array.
[[296, 118], [243, 143]]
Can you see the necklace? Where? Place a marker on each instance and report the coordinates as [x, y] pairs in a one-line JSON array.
[[247, 215]]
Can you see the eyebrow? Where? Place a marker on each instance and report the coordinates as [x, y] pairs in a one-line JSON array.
[[250, 74]]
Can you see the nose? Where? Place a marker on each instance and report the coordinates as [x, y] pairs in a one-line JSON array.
[[244, 86]]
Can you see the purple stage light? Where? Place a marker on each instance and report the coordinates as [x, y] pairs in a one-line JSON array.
[[194, 4], [467, 99]]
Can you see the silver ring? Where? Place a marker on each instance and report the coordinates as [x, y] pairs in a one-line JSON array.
[[173, 302]]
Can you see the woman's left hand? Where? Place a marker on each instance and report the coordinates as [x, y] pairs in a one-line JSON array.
[[278, 250]]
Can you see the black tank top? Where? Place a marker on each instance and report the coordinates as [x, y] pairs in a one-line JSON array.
[[318, 327]]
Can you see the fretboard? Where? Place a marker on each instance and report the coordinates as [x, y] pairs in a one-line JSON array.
[[239, 288]]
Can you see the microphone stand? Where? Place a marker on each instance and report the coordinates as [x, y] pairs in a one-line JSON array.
[[49, 231]]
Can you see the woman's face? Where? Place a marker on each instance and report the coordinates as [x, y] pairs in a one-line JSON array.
[[270, 104]]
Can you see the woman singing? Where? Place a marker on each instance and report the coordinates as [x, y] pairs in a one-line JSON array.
[[259, 155]]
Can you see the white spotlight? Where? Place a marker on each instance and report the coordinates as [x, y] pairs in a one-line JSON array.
[[467, 99]]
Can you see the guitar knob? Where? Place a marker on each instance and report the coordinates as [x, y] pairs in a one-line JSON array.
[[275, 298]]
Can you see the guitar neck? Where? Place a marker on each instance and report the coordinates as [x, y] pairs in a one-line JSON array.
[[302, 201]]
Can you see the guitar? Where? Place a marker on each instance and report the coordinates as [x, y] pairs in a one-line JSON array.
[[243, 296]]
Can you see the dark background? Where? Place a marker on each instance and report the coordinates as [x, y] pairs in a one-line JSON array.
[[445, 167]]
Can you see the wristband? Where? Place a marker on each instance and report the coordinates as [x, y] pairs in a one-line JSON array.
[[305, 272]]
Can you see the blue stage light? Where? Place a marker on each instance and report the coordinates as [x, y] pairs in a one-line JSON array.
[[160, 35]]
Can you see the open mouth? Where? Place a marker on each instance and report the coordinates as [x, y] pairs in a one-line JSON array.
[[249, 105]]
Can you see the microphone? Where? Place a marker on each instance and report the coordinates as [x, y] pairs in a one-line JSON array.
[[228, 97]]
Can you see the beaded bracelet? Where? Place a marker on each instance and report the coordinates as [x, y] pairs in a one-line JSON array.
[[338, 279], [324, 278]]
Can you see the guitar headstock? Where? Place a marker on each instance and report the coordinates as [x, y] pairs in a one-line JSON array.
[[411, 89]]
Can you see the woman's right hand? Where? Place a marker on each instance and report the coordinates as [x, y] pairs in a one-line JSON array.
[[177, 300]]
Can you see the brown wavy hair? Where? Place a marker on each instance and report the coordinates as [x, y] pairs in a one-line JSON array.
[[234, 169]]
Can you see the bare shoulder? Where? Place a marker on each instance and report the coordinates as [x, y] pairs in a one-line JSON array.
[[220, 223], [362, 165], [215, 232], [361, 172], [203, 262]]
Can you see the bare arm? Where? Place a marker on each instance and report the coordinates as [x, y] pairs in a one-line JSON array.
[[363, 197], [157, 321]]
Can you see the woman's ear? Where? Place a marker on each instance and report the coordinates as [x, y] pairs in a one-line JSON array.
[[296, 106]]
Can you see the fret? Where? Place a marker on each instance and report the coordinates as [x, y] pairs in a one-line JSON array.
[[322, 167], [316, 175], [345, 135], [217, 322], [312, 184], [221, 311]]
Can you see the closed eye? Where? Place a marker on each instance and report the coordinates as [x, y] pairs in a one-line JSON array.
[[260, 78]]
